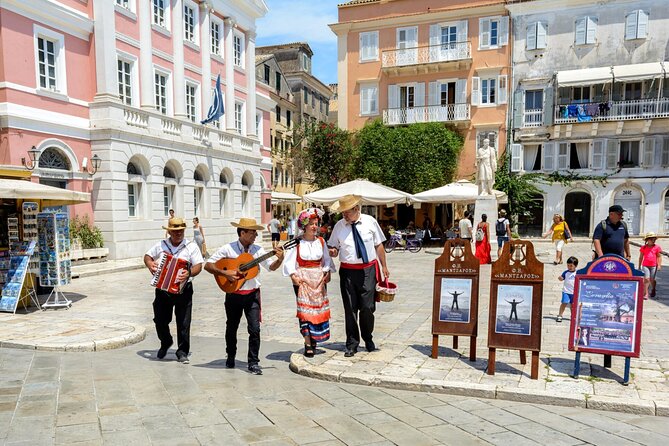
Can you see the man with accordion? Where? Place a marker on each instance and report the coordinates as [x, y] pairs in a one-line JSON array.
[[174, 262]]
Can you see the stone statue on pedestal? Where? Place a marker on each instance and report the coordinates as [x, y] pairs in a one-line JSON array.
[[486, 166]]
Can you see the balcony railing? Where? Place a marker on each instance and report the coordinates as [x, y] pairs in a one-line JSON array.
[[431, 113], [612, 111], [446, 52], [533, 117]]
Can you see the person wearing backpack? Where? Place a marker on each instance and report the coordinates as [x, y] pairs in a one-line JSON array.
[[483, 241], [611, 235], [502, 230]]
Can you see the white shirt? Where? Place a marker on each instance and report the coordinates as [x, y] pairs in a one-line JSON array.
[[569, 279], [233, 250], [465, 228], [342, 238], [186, 250], [309, 250]]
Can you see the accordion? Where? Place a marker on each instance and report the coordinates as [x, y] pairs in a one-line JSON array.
[[165, 277]]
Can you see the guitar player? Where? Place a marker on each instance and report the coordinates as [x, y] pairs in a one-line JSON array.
[[247, 299]]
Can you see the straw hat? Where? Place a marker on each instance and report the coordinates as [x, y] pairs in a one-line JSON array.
[[175, 224], [345, 203], [248, 223], [649, 235]]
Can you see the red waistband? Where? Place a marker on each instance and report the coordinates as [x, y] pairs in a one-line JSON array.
[[245, 292], [357, 265], [308, 263]]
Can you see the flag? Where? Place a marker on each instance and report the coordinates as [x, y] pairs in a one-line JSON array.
[[216, 110]]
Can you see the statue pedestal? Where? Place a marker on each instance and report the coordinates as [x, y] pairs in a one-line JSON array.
[[487, 204]]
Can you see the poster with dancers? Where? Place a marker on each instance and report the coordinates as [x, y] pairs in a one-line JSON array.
[[455, 301], [514, 309]]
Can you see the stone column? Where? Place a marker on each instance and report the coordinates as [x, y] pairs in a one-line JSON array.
[[178, 49], [105, 52], [147, 98], [229, 77], [251, 84], [205, 51]]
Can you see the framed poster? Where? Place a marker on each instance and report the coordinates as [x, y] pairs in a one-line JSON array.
[[455, 300], [514, 309]]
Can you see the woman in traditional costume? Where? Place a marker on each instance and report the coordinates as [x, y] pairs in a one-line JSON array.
[[309, 266]]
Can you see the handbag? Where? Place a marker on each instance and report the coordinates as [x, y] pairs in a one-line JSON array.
[[567, 233], [204, 249]]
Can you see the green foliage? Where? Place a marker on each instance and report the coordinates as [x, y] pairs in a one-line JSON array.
[[90, 236], [328, 154], [521, 189], [412, 158], [568, 177]]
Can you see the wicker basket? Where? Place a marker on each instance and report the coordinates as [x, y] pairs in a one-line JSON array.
[[385, 291]]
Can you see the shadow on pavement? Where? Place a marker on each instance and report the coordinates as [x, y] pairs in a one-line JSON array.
[[280, 356]]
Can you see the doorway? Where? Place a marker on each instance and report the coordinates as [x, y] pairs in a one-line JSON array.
[[577, 212], [630, 199]]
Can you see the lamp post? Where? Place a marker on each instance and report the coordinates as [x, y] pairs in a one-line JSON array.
[[95, 164], [30, 164]]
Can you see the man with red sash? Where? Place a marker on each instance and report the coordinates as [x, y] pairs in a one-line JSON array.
[[358, 241]]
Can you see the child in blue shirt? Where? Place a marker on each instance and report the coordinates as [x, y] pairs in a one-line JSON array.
[[568, 278]]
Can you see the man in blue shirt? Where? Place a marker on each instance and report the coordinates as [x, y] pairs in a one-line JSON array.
[[614, 239]]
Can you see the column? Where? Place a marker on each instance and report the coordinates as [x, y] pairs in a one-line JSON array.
[[251, 84], [229, 77], [205, 50], [147, 98], [178, 49], [105, 52]]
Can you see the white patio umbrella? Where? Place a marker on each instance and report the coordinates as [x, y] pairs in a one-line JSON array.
[[50, 196], [372, 193], [462, 191]]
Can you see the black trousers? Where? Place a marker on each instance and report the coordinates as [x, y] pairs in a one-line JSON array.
[[182, 305], [357, 292], [249, 305]]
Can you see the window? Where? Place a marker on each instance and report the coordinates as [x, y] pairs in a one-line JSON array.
[[313, 99], [534, 105], [636, 25], [305, 93], [223, 195], [215, 32], [277, 79], [629, 153], [191, 101], [266, 73], [488, 91], [197, 199], [665, 152], [52, 158], [369, 46], [369, 99], [123, 3], [132, 200], [125, 81], [306, 63], [493, 32], [238, 50], [580, 94], [159, 13], [586, 29], [160, 86], [633, 90], [278, 114], [46, 50], [490, 135], [168, 195], [189, 24], [239, 117], [259, 125], [536, 36], [288, 118]]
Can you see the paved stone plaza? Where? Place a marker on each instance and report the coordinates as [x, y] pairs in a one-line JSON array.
[[125, 396]]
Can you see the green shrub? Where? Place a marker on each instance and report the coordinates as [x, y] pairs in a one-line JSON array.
[[89, 235]]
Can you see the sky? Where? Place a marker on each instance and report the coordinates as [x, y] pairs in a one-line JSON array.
[[303, 21]]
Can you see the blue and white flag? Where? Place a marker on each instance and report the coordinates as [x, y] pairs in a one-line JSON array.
[[216, 110]]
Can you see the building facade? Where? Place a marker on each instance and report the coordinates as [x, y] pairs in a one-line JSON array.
[[409, 61], [129, 81], [591, 103]]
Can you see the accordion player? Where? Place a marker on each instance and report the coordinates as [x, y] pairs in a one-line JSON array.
[[168, 268]]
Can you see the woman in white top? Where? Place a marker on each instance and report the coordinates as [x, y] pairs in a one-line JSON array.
[[309, 267]]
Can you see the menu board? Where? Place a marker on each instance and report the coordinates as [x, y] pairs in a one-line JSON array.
[[18, 267], [55, 266]]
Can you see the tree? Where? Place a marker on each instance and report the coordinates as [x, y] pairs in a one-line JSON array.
[[328, 154], [521, 189], [412, 158]]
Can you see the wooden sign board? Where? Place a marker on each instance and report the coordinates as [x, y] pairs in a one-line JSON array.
[[516, 298], [456, 295]]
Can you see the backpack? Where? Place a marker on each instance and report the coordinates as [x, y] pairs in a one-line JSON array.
[[604, 238], [479, 235], [500, 227]]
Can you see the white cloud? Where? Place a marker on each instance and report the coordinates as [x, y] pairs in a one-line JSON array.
[[299, 21]]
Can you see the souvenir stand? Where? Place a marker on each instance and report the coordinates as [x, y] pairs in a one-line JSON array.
[[17, 275], [456, 295], [516, 296], [607, 311], [54, 249]]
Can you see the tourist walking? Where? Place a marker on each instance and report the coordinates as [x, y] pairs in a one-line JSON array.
[[274, 227], [568, 277], [198, 236], [502, 231], [650, 260], [560, 235], [483, 241], [465, 226], [611, 235]]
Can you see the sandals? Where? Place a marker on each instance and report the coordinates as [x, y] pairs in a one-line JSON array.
[[308, 351]]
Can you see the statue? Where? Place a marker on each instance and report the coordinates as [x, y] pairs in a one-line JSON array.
[[486, 166]]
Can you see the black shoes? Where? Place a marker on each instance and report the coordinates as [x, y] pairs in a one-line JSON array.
[[230, 362], [255, 369], [183, 358], [370, 346], [349, 352], [163, 351]]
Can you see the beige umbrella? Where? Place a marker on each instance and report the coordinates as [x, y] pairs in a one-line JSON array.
[[49, 196]]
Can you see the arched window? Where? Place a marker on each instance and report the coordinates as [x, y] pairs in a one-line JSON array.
[[223, 178], [51, 158], [132, 169], [168, 173], [197, 176]]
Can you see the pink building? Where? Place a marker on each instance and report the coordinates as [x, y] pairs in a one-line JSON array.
[[130, 81]]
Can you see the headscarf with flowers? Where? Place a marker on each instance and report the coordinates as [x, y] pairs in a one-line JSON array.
[[306, 215]]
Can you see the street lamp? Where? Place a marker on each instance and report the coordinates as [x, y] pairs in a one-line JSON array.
[[34, 159], [95, 164]]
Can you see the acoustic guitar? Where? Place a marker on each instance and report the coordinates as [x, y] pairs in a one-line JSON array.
[[246, 265]]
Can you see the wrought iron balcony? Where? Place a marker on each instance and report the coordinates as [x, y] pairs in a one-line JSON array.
[[612, 111], [431, 113], [447, 52]]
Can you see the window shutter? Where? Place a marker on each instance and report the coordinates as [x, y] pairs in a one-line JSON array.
[[518, 109], [611, 154], [542, 38], [580, 31], [598, 146], [504, 31], [563, 156], [549, 113], [412, 37], [433, 93], [531, 38], [484, 33], [363, 46], [374, 106], [648, 152], [665, 152], [642, 29], [516, 157], [476, 90], [420, 94], [591, 33], [435, 35], [462, 31], [461, 91], [549, 156], [393, 96], [630, 25], [502, 90]]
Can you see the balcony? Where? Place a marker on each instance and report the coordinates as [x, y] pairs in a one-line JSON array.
[[449, 56], [433, 113], [533, 117], [612, 111]]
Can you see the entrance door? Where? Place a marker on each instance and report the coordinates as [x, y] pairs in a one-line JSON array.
[[407, 103], [630, 200], [577, 213], [447, 101]]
